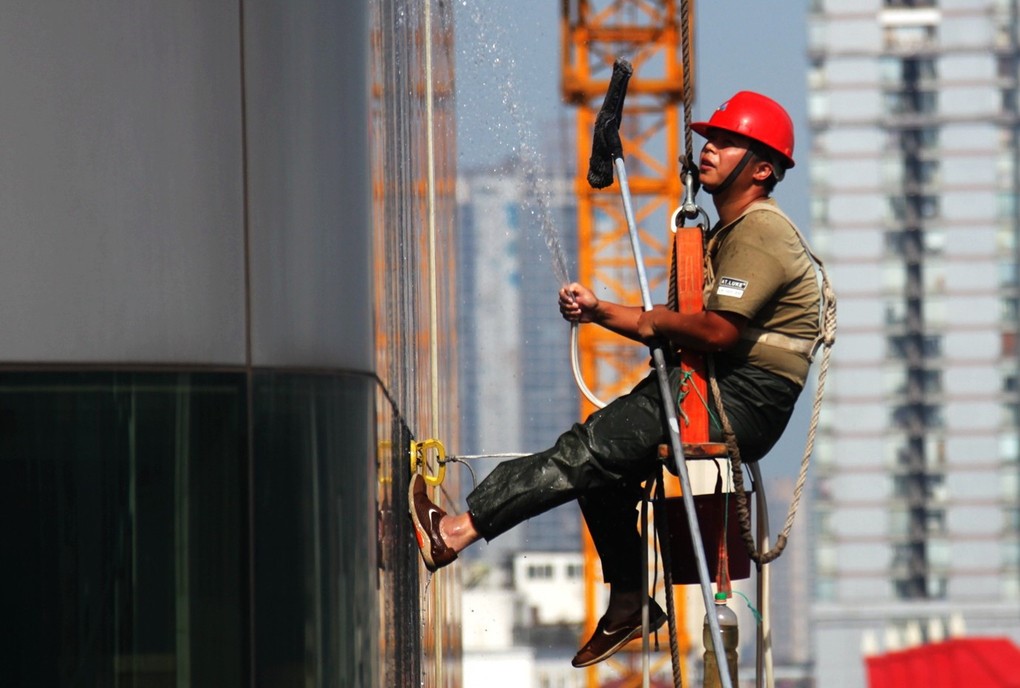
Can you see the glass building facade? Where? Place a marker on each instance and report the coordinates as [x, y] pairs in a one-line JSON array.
[[159, 544]]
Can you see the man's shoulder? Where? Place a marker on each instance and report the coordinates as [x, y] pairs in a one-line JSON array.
[[766, 218]]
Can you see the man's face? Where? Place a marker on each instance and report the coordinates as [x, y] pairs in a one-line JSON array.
[[721, 153]]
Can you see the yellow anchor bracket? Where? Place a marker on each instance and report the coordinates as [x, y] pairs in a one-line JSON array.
[[419, 459]]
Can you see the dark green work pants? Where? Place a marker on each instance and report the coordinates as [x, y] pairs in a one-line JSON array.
[[602, 462]]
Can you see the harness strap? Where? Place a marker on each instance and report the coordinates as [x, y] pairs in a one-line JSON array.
[[778, 340], [731, 177]]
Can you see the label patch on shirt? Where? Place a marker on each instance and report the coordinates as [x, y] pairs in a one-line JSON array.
[[729, 286]]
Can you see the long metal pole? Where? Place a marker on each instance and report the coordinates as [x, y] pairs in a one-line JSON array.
[[674, 436], [763, 659]]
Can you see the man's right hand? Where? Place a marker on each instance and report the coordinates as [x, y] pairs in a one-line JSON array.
[[578, 303]]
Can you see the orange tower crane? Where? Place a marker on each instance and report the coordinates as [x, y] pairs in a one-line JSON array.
[[648, 34]]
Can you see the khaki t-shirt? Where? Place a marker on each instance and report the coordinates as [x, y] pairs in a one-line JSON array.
[[763, 273]]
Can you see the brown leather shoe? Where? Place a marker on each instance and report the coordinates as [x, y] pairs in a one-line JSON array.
[[604, 642], [426, 516]]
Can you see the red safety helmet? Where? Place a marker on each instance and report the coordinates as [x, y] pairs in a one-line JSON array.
[[757, 117]]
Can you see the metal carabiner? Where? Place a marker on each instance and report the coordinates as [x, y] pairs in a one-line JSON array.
[[688, 208], [690, 212], [418, 459]]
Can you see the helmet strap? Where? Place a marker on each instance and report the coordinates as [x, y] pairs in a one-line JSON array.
[[732, 175]]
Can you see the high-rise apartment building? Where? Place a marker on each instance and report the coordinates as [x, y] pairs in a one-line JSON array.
[[915, 166]]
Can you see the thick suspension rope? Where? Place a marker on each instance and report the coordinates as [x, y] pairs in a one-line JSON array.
[[667, 580], [686, 162], [686, 61]]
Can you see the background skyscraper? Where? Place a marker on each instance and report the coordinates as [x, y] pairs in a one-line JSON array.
[[913, 107]]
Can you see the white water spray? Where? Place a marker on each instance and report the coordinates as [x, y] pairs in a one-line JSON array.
[[493, 57]]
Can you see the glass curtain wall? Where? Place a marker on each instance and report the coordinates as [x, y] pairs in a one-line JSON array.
[[124, 501], [130, 562]]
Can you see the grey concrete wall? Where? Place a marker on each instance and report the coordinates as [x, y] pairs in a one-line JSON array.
[[143, 141], [307, 72]]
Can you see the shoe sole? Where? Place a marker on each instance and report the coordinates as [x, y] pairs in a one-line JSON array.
[[636, 633]]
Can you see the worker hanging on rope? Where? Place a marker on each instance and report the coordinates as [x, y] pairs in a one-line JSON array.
[[761, 323]]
